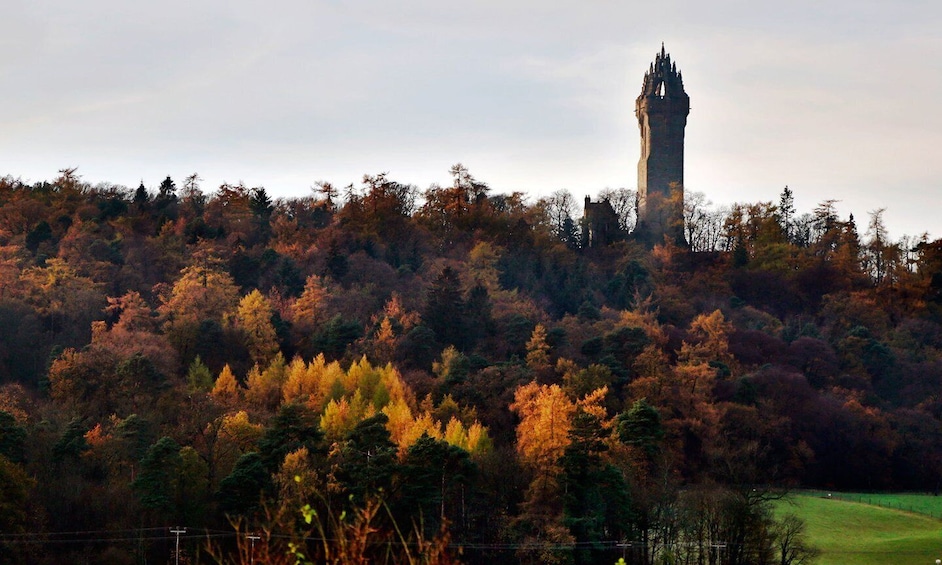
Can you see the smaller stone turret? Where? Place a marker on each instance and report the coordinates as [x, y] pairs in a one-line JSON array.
[[600, 224]]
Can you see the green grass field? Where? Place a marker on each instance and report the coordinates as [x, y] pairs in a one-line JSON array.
[[913, 502], [857, 533]]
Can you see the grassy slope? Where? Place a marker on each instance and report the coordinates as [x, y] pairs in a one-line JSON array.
[[851, 533], [919, 503]]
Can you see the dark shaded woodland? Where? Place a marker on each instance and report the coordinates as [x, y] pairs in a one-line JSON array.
[[455, 358]]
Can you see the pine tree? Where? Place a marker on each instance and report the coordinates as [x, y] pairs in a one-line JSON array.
[[368, 459], [786, 213], [157, 482], [198, 377], [295, 426], [445, 308]]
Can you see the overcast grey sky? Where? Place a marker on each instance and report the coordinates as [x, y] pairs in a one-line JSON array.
[[837, 99]]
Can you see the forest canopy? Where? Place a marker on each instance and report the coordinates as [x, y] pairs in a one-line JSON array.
[[174, 356]]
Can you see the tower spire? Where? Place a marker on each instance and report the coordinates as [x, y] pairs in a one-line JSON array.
[[662, 110]]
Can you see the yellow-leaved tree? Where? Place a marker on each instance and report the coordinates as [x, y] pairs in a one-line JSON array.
[[545, 413], [264, 387], [364, 390], [701, 359], [226, 390], [309, 310], [538, 350], [358, 393], [202, 293], [236, 435], [253, 318]]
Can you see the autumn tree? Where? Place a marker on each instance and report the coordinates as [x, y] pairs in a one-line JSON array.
[[264, 385], [197, 302], [538, 350], [881, 257], [545, 413], [136, 332], [65, 301], [451, 212], [543, 436], [226, 388], [253, 318], [383, 210]]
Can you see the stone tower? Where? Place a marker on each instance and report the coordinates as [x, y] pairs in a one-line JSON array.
[[662, 110]]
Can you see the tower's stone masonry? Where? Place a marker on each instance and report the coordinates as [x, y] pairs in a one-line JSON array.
[[662, 110]]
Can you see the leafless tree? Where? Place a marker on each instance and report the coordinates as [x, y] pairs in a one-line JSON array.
[[625, 203], [559, 207], [703, 224], [793, 548]]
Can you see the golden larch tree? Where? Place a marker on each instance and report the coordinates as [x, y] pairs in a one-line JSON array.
[[254, 319]]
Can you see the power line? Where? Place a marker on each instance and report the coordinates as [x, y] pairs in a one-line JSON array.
[[177, 533]]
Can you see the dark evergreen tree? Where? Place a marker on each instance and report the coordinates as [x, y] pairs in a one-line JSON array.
[[157, 482], [641, 427], [166, 194], [478, 320], [786, 213], [261, 203], [596, 495], [295, 426], [40, 233], [632, 280], [417, 348], [71, 443], [135, 435], [241, 492], [445, 309], [15, 487], [368, 460], [435, 478], [12, 438], [336, 335], [141, 197], [22, 357]]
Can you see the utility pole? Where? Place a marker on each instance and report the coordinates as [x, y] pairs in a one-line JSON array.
[[176, 554], [252, 538]]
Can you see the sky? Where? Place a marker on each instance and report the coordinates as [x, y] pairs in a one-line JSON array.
[[836, 99]]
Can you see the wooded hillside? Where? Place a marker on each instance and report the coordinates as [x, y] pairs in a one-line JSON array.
[[175, 357]]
